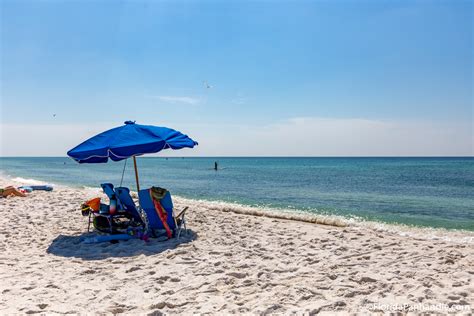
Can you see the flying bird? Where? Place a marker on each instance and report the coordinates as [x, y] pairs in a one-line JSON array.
[[207, 85], [54, 115]]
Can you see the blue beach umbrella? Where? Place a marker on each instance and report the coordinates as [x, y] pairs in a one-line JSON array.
[[129, 140]]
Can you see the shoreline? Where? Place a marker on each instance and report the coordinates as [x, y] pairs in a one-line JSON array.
[[424, 232], [228, 263]]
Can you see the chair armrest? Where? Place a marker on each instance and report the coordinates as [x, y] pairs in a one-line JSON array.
[[182, 212]]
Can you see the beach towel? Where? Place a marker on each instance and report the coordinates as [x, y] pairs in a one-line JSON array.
[[94, 204], [157, 194]]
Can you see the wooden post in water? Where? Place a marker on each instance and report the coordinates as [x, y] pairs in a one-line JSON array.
[[136, 172]]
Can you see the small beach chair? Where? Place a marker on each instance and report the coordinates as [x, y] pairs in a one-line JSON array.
[[108, 189], [160, 216], [103, 220]]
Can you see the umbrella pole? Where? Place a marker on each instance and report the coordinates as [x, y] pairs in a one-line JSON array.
[[136, 172]]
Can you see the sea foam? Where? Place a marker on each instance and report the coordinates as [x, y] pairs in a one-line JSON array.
[[30, 181], [438, 234], [287, 214]]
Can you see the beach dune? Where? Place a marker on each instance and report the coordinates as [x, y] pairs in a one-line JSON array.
[[227, 263]]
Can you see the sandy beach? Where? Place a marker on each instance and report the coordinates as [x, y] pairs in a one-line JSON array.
[[228, 263]]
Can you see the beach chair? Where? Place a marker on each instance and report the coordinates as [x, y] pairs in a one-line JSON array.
[[108, 189], [123, 195], [160, 214], [103, 220]]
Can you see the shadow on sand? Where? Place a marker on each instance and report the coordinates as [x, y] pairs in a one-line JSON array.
[[71, 246]]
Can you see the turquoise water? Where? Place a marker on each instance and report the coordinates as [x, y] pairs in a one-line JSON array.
[[435, 192]]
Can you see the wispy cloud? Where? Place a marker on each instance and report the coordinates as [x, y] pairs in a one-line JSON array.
[[176, 99]]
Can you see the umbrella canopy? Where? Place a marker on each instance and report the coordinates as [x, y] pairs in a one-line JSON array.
[[128, 141]]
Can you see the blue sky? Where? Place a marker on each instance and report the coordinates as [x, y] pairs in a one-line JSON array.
[[362, 74]]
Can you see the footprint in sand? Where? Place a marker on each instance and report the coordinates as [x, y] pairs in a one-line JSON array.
[[238, 275], [42, 306]]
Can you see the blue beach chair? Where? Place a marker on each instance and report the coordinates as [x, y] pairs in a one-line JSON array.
[[175, 222], [103, 220], [108, 189], [123, 195]]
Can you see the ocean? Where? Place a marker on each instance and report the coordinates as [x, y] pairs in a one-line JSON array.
[[427, 192]]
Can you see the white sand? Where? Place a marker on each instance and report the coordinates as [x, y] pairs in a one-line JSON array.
[[230, 263]]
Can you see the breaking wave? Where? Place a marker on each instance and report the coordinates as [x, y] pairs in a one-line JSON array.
[[24, 181], [331, 220], [440, 234]]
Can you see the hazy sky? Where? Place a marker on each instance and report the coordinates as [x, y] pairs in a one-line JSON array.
[[288, 78]]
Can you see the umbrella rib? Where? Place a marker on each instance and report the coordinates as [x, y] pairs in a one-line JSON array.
[[109, 151], [137, 154]]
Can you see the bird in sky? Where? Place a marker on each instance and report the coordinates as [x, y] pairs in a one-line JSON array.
[[207, 85]]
